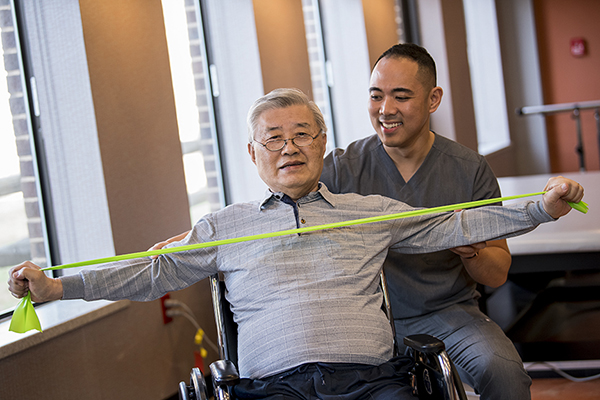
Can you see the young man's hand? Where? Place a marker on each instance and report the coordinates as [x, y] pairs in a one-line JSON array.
[[162, 244]]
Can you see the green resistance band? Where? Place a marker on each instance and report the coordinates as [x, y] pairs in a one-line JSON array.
[[25, 319]]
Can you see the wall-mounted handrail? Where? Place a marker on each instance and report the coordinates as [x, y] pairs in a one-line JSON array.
[[575, 109], [555, 108]]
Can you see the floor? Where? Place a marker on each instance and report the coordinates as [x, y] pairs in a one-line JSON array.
[[559, 388], [550, 389]]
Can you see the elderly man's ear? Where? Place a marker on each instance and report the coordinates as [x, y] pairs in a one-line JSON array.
[[251, 152], [324, 143]]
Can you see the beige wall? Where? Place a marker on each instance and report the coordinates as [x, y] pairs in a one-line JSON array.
[[136, 121], [381, 27], [282, 45], [130, 353]]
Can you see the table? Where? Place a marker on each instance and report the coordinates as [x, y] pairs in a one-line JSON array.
[[572, 242]]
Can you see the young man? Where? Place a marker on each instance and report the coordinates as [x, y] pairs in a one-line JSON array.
[[431, 293], [293, 296]]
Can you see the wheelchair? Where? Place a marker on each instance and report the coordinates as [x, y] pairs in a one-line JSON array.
[[433, 375]]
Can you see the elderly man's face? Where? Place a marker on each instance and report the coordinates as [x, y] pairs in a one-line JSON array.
[[292, 170]]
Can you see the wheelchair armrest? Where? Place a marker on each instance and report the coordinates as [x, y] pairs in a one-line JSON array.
[[224, 372], [424, 343], [434, 374]]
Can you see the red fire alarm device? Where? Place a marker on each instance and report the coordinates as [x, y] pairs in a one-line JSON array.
[[578, 48]]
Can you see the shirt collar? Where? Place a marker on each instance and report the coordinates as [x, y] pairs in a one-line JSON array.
[[321, 193]]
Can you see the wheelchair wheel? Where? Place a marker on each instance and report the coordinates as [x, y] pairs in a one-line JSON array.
[[196, 390]]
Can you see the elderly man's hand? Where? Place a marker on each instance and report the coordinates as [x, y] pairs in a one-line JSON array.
[[28, 277], [559, 191]]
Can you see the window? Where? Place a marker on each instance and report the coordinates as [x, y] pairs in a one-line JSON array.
[[193, 101], [485, 64], [22, 227], [320, 78], [292, 52]]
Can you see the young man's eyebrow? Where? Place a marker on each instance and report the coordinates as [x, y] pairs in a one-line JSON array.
[[395, 90]]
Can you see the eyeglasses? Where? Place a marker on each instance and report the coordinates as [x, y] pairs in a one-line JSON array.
[[298, 141]]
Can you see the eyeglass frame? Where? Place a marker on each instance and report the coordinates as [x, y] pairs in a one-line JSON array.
[[285, 141]]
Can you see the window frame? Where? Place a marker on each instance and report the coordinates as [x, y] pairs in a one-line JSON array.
[[52, 122], [40, 216]]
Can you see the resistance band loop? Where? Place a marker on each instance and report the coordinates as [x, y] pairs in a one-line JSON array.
[[581, 206], [25, 319]]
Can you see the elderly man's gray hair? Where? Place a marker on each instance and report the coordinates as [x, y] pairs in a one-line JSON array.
[[282, 98]]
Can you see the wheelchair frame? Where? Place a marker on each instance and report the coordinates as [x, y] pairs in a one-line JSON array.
[[433, 375]]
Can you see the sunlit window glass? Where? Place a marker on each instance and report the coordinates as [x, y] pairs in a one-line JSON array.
[[320, 77], [195, 115]]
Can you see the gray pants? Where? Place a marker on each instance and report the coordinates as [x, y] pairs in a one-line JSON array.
[[485, 358]]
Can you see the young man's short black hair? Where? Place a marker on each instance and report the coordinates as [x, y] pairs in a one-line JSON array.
[[413, 52]]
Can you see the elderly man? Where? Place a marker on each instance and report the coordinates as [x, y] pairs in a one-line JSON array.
[[308, 307]]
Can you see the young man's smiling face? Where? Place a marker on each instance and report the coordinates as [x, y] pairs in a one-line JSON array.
[[401, 99], [292, 170]]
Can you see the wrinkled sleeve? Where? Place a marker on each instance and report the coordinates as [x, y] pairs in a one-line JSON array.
[[145, 279], [441, 231]]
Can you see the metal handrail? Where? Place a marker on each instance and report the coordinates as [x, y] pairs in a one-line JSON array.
[[575, 109], [556, 108]]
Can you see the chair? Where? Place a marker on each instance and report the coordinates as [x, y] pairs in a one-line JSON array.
[[433, 375]]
